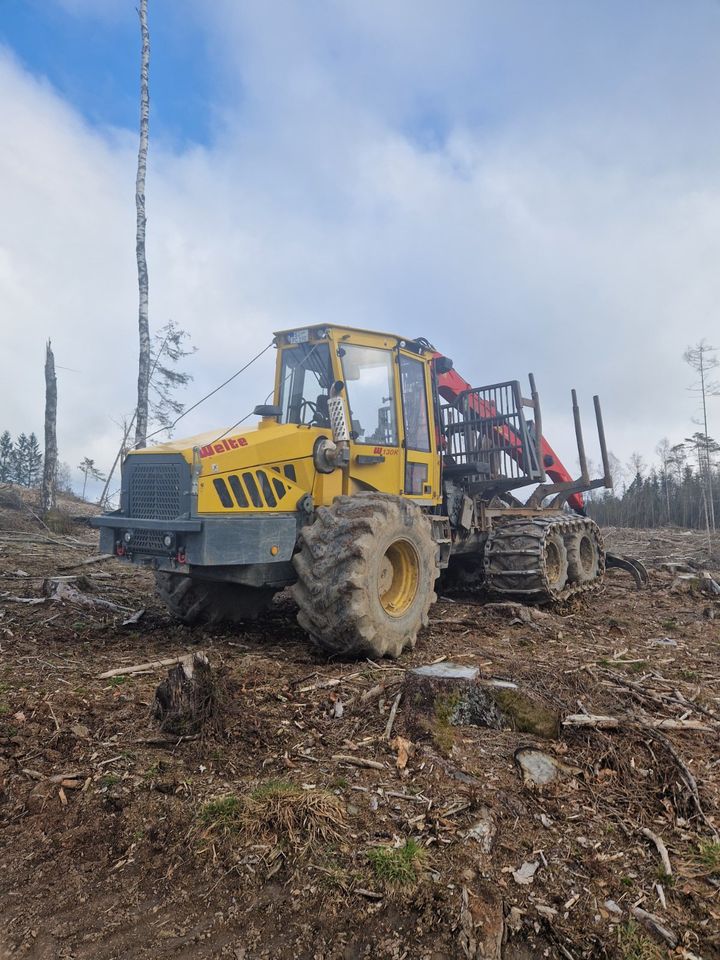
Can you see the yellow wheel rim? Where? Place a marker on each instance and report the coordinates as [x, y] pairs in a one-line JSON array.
[[399, 575]]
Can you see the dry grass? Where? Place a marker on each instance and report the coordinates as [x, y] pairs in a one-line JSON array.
[[635, 944], [60, 521], [278, 813]]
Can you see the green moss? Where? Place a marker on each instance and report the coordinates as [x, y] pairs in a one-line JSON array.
[[442, 728], [398, 866], [527, 716]]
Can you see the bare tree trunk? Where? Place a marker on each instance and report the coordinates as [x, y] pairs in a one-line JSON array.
[[49, 482], [708, 476], [141, 425]]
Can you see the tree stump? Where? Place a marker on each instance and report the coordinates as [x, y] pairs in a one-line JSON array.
[[445, 695], [187, 701]]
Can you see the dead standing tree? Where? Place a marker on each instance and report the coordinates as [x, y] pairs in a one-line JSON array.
[[49, 481], [141, 422], [703, 360]]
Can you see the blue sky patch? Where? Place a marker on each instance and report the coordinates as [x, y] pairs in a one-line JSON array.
[[94, 63]]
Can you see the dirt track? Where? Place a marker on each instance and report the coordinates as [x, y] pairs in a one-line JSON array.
[[109, 848]]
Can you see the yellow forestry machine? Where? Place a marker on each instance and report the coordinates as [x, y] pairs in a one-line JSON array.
[[376, 470]]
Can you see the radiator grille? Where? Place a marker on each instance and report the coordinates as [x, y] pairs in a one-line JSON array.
[[154, 491]]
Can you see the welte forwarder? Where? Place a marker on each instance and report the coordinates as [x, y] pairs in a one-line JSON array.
[[376, 470]]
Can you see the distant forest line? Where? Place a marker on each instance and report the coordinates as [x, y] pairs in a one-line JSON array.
[[682, 491]]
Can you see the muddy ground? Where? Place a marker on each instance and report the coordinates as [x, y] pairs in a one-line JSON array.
[[293, 827]]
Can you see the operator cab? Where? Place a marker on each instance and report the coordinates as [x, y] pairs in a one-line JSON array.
[[385, 383], [306, 376]]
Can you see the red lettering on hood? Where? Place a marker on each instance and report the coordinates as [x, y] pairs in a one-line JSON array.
[[213, 449]]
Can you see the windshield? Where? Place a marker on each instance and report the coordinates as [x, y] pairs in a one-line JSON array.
[[305, 380], [368, 374]]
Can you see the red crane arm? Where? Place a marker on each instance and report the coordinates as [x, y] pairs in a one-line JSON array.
[[451, 385]]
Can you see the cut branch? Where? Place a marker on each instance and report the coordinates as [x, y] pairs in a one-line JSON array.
[[661, 849], [141, 667]]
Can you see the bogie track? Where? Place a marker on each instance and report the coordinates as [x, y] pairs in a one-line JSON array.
[[544, 559]]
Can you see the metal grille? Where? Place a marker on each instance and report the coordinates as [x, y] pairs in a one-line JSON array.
[[148, 541], [488, 438], [154, 491]]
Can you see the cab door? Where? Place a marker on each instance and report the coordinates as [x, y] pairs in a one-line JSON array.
[[421, 464]]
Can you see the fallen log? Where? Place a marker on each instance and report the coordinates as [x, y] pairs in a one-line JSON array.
[[613, 723], [598, 722], [58, 590]]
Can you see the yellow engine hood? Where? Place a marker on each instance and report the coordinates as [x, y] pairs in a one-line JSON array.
[[268, 467], [262, 444]]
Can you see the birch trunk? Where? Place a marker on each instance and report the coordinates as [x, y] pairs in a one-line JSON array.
[[49, 482], [141, 425]]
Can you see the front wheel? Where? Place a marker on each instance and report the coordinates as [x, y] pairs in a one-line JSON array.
[[366, 573]]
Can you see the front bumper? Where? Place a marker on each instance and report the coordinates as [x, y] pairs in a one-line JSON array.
[[201, 541]]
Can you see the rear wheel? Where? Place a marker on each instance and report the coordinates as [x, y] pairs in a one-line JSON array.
[[584, 556], [556, 562], [209, 601], [366, 573]]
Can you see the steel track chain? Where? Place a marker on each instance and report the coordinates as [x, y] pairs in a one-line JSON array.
[[514, 557]]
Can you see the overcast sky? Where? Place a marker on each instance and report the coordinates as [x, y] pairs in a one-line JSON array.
[[530, 185]]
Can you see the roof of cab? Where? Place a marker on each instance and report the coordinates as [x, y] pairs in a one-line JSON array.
[[339, 326]]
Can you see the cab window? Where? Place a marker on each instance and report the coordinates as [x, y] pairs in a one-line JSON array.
[[415, 409], [369, 384], [305, 380]]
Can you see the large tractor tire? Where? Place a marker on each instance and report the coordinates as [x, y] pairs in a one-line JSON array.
[[584, 551], [210, 601], [366, 571]]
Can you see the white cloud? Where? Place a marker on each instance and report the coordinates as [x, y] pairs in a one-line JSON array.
[[568, 230]]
